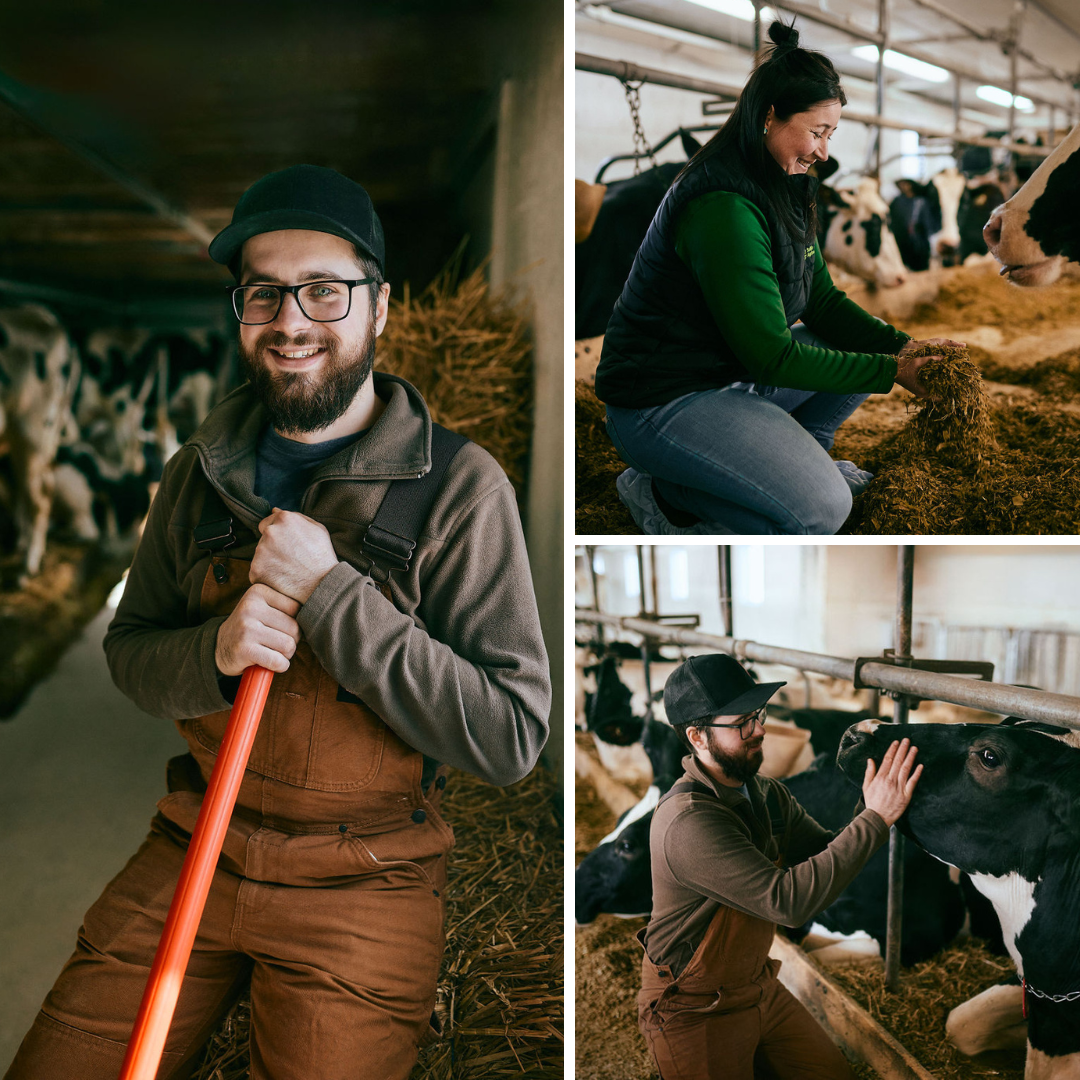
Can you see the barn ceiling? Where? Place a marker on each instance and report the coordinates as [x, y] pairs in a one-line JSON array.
[[130, 130]]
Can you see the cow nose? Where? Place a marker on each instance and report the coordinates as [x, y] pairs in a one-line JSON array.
[[992, 231]]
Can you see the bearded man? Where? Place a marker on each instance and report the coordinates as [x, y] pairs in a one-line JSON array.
[[396, 655], [733, 854]]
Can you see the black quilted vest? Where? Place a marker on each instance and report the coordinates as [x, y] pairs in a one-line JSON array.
[[661, 341]]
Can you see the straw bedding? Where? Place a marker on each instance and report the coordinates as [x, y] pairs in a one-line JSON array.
[[916, 1013], [501, 986], [596, 466]]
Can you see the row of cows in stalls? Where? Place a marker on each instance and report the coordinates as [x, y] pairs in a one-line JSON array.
[[878, 242], [88, 420], [994, 820]]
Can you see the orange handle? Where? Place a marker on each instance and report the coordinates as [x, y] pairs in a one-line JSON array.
[[174, 950]]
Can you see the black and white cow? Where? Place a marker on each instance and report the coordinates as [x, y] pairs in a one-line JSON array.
[[602, 261], [1002, 803], [608, 714], [616, 876], [1037, 231], [857, 235]]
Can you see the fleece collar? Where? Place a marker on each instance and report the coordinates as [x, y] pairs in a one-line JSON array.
[[398, 444]]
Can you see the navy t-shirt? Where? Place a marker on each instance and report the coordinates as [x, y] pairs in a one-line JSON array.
[[284, 467]]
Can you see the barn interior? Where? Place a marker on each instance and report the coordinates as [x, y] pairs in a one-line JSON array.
[[976, 627], [979, 92], [129, 133]]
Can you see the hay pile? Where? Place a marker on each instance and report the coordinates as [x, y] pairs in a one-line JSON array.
[[916, 1013], [501, 985], [979, 296], [962, 465], [596, 465], [1057, 377], [468, 352]]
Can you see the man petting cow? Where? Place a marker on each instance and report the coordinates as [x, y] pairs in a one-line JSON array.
[[733, 855]]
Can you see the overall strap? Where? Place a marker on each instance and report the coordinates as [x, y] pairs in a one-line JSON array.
[[683, 786], [391, 537], [776, 816], [214, 533]]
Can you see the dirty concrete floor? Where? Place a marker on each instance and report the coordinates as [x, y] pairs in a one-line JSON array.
[[80, 770]]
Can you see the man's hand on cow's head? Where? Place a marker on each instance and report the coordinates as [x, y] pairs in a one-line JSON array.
[[887, 789], [294, 554], [261, 629]]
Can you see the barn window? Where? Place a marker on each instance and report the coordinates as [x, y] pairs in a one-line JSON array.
[[679, 568]]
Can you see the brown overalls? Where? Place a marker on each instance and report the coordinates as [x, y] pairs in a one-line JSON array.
[[328, 893], [727, 1016]]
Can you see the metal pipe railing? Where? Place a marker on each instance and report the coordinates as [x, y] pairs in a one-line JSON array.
[[625, 71], [894, 914], [1020, 701]]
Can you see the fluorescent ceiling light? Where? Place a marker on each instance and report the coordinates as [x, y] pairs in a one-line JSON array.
[[1003, 98], [739, 9], [900, 62]]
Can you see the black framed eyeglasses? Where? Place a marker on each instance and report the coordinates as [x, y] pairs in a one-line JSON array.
[[320, 301], [745, 724]]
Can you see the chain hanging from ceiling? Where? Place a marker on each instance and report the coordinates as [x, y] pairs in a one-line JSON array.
[[632, 89]]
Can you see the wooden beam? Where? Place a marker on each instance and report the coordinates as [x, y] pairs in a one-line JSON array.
[[22, 100], [850, 1026]]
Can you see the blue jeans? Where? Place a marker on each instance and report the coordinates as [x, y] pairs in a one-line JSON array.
[[749, 459]]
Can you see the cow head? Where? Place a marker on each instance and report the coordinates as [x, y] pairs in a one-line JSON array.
[[616, 876], [1037, 231], [993, 799], [859, 238]]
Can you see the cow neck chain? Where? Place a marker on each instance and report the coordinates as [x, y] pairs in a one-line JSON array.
[[1029, 989], [632, 89]]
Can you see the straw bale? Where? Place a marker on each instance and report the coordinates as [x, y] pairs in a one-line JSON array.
[[501, 986], [596, 466], [468, 351]]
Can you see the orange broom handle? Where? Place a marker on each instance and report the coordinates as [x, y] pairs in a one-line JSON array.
[[174, 950]]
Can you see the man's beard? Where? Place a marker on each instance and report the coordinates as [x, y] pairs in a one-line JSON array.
[[742, 766], [301, 401]]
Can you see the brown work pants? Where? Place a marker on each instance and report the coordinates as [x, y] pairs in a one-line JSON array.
[[342, 977], [727, 1017]]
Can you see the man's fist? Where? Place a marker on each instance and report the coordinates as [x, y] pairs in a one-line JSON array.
[[294, 554], [262, 629]]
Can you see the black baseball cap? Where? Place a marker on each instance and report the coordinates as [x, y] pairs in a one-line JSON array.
[[302, 197], [713, 685]]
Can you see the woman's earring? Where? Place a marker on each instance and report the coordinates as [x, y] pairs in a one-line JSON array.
[[766, 131]]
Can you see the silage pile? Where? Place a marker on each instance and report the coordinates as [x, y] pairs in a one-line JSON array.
[[596, 466], [965, 466], [468, 351]]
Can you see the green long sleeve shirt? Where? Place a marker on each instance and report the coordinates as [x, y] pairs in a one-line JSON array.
[[723, 239]]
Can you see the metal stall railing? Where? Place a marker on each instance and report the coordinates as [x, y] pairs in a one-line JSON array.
[[1008, 42], [895, 674]]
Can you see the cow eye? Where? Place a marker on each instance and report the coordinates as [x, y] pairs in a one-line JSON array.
[[989, 758]]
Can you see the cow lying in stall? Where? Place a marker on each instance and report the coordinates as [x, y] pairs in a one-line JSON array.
[[616, 876], [1037, 232], [1001, 803]]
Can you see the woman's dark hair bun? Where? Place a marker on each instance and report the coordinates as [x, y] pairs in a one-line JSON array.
[[784, 36]]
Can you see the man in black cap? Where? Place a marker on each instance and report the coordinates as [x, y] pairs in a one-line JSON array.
[[320, 525], [733, 855]]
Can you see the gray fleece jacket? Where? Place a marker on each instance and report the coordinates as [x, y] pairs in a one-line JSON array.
[[455, 665]]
